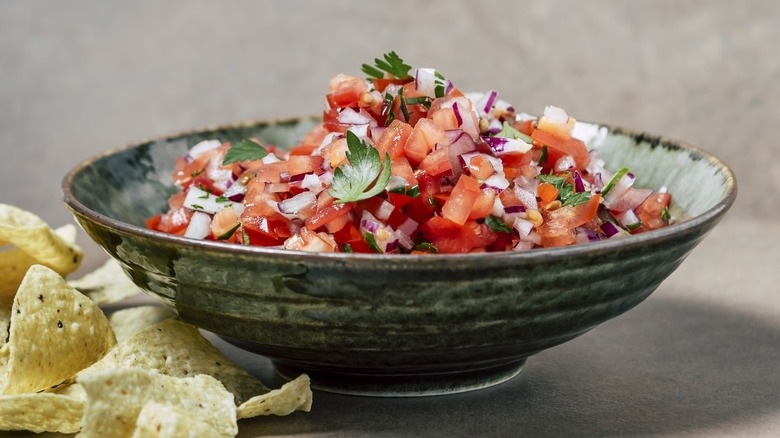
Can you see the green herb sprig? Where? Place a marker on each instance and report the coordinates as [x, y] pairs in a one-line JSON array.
[[364, 176], [391, 64]]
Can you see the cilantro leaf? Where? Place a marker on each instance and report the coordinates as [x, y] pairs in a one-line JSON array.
[[508, 131], [566, 192], [498, 225], [244, 150], [365, 176], [392, 64]]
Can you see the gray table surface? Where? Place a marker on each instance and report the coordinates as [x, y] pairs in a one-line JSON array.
[[699, 358]]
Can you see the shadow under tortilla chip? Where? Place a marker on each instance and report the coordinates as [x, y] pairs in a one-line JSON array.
[[106, 284], [129, 321], [27, 240], [54, 333], [116, 398]]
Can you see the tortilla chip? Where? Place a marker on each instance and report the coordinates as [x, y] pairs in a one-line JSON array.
[[129, 321], [294, 395], [106, 284], [28, 240], [115, 398], [178, 349], [157, 420], [41, 412], [55, 332]]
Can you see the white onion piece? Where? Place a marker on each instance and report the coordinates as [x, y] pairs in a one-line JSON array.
[[201, 200], [199, 226], [349, 116], [312, 183], [620, 187], [297, 203], [200, 148]]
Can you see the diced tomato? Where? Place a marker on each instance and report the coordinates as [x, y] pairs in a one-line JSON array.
[[546, 193], [483, 206], [569, 146], [436, 162], [651, 211], [480, 167], [463, 197], [560, 222], [346, 91], [223, 223], [444, 118], [382, 83], [424, 137], [525, 126], [310, 142], [393, 139], [327, 214], [350, 236], [302, 164], [449, 237]]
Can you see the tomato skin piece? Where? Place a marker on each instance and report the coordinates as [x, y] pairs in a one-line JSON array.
[[424, 137], [301, 164], [564, 146], [461, 200], [547, 193]]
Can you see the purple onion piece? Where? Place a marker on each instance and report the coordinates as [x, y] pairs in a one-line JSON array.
[[238, 197], [609, 229], [578, 184], [490, 101], [514, 209], [457, 113], [391, 246]]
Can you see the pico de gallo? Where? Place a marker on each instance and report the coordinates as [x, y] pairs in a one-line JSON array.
[[405, 162]]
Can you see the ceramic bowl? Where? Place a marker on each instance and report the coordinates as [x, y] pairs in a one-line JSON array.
[[392, 325]]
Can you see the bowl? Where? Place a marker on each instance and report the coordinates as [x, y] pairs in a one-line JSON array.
[[393, 325]]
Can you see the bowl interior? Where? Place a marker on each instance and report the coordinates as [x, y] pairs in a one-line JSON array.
[[134, 181]]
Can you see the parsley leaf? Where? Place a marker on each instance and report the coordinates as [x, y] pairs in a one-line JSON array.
[[244, 150], [392, 64], [508, 131], [365, 176]]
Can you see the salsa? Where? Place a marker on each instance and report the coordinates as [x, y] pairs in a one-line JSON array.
[[405, 162]]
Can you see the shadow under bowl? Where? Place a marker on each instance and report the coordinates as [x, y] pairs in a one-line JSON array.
[[392, 325]]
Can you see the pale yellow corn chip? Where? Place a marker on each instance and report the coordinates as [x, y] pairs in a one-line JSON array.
[[106, 284], [158, 420], [176, 348], [41, 412], [55, 332], [25, 239], [294, 395], [116, 397], [129, 321]]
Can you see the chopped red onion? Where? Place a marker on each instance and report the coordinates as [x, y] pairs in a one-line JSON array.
[[490, 101], [514, 209], [456, 110], [579, 186], [609, 229]]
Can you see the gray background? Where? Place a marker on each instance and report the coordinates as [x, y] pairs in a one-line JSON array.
[[699, 358]]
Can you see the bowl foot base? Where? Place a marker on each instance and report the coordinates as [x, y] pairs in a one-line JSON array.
[[416, 385]]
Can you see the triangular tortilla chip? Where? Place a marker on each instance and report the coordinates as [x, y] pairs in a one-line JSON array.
[[116, 397], [25, 239], [294, 395], [158, 420], [129, 321], [176, 348], [55, 332]]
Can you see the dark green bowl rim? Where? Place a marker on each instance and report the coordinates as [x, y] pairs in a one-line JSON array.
[[709, 218]]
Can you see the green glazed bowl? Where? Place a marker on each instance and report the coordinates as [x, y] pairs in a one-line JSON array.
[[392, 325]]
